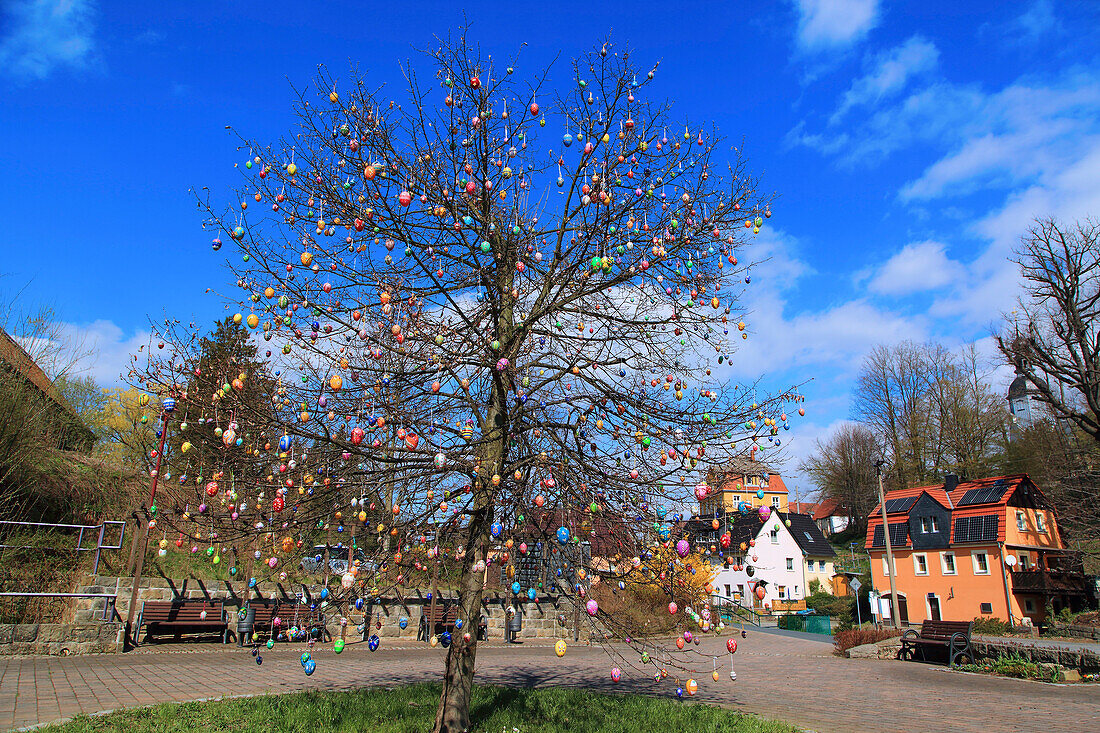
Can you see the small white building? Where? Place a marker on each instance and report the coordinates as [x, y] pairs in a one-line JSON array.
[[771, 559]]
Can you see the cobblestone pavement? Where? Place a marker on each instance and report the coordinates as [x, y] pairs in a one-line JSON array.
[[792, 679]]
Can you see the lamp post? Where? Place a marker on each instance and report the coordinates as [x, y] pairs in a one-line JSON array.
[[889, 550], [129, 641]]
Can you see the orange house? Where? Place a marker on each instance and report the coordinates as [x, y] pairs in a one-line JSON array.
[[985, 548]]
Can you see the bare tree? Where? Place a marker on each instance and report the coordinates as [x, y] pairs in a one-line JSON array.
[[490, 328], [1058, 350], [843, 468]]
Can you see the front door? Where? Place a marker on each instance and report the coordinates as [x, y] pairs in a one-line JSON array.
[[933, 607]]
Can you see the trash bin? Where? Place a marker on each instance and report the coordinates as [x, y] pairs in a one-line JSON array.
[[246, 621], [514, 625]]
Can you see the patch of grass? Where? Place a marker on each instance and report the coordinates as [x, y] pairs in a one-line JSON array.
[[412, 709], [1010, 665]]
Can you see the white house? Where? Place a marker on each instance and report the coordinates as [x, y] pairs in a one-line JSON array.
[[765, 555]]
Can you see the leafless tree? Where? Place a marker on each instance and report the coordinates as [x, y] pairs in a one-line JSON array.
[[1058, 349], [843, 468], [489, 321]]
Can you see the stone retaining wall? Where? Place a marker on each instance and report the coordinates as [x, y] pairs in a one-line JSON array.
[[540, 617], [61, 639]]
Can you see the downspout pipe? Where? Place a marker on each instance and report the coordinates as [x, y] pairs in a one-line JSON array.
[[1004, 577]]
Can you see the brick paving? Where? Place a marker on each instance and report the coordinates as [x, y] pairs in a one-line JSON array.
[[791, 679]]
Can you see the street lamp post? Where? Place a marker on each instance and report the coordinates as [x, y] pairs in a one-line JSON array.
[[889, 550]]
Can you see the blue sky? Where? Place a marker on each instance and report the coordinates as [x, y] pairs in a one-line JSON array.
[[911, 143]]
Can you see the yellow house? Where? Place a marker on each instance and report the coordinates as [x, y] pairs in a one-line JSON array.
[[743, 480]]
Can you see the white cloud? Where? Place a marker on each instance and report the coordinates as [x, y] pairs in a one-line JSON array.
[[889, 74], [918, 267], [831, 24], [109, 350], [44, 34], [1023, 131]]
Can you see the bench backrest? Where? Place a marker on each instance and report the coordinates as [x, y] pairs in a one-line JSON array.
[[444, 614], [265, 612], [188, 611], [944, 630]]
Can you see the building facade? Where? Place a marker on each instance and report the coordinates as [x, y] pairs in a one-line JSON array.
[[988, 548], [743, 480]]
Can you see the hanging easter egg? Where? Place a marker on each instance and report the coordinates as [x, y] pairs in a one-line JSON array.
[[672, 608], [765, 512], [683, 548], [563, 535], [692, 687], [373, 642], [616, 674], [731, 646], [592, 607], [338, 646], [284, 443], [403, 623], [560, 647], [310, 667]]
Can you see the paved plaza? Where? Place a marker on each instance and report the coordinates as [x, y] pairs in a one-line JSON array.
[[788, 677]]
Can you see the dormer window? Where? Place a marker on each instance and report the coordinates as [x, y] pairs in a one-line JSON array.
[[929, 525]]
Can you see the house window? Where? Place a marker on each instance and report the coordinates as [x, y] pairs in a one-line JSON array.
[[740, 589], [790, 563], [925, 525], [821, 566], [1025, 561], [1040, 525], [1029, 605], [886, 568], [775, 536], [810, 565], [1021, 522], [736, 498], [947, 563], [775, 501], [783, 592], [920, 564], [728, 593], [986, 608], [981, 564]]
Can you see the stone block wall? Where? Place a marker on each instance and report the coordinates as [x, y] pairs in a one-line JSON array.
[[540, 617], [61, 639]]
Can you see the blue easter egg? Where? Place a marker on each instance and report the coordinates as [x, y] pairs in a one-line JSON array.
[[372, 642], [310, 667]]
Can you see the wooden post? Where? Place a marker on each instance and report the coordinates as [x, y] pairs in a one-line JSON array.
[[144, 543], [133, 545]]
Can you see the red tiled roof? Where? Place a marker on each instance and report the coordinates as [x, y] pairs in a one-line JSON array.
[[801, 507], [949, 500]]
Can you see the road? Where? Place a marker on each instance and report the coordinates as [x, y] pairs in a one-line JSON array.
[[779, 675]]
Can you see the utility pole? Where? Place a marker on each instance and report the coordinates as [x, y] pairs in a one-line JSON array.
[[889, 550], [142, 542]]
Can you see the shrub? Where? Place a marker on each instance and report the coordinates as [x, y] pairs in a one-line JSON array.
[[990, 626], [815, 586], [830, 605], [845, 640], [1010, 665]]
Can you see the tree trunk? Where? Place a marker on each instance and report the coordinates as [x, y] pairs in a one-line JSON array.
[[453, 715]]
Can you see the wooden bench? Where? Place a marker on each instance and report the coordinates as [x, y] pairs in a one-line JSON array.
[[443, 620], [950, 637], [301, 616], [197, 616]]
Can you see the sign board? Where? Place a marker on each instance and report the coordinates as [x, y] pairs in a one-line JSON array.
[[855, 585]]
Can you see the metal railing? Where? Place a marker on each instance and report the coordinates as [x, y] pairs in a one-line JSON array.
[[99, 530]]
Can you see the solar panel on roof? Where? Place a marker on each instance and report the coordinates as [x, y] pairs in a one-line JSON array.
[[984, 495], [900, 505], [982, 528]]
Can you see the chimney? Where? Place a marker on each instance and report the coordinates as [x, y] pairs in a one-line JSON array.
[[950, 481]]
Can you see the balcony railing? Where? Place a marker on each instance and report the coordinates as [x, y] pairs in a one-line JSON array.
[[1049, 582]]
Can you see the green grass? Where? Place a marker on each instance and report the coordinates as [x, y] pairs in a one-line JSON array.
[[412, 708]]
